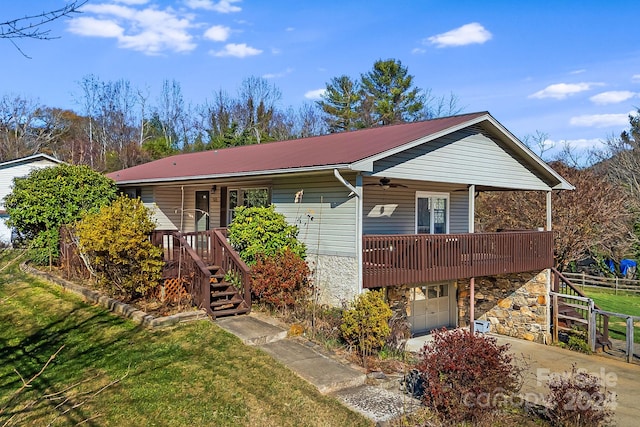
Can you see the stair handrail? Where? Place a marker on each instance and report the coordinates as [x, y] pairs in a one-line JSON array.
[[189, 262], [225, 256], [602, 325]]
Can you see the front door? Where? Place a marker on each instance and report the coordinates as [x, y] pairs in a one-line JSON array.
[[202, 210], [429, 308]]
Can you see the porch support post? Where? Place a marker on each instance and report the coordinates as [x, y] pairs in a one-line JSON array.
[[472, 208], [359, 210], [548, 210], [472, 317]]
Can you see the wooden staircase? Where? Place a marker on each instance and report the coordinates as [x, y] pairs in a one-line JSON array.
[[199, 261], [565, 323], [226, 299]]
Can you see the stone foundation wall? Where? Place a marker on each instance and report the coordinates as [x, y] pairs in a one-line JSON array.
[[517, 305], [336, 278]]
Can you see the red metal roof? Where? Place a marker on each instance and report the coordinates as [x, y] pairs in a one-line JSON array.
[[320, 151]]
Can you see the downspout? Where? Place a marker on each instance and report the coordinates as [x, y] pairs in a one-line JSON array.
[[472, 281], [549, 274], [357, 190]]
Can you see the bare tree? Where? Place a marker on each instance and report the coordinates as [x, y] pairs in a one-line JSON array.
[[594, 219], [26, 127], [34, 26]]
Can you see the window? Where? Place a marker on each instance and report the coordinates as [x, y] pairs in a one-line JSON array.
[[432, 213], [248, 197], [132, 192]]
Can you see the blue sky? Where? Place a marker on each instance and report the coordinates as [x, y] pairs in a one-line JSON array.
[[570, 69]]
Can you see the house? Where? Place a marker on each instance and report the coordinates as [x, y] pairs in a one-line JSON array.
[[389, 207], [18, 168]]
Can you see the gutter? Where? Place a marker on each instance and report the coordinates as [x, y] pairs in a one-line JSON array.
[[357, 191]]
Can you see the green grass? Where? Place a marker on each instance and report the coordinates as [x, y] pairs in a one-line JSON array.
[[623, 302], [194, 374]]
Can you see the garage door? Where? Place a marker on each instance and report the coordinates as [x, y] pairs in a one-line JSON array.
[[429, 308]]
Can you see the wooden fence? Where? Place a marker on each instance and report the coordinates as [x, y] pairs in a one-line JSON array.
[[616, 284]]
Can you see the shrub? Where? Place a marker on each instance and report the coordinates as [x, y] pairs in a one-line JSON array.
[[262, 231], [365, 325], [576, 399], [115, 242], [466, 375], [51, 197], [280, 280]]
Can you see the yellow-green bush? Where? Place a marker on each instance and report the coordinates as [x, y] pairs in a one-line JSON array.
[[115, 243], [365, 325]]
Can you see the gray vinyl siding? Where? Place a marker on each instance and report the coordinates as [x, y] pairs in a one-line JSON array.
[[168, 199], [459, 215], [467, 156], [326, 217], [392, 211]]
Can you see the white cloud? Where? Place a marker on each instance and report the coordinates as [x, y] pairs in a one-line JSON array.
[[582, 70], [223, 6], [635, 78], [278, 75], [612, 97], [418, 51], [240, 50], [473, 33], [132, 2], [289, 29], [218, 33], [315, 94], [149, 30], [562, 90], [601, 120], [87, 26]]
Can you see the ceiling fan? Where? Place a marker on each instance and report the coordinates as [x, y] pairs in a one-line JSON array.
[[386, 183]]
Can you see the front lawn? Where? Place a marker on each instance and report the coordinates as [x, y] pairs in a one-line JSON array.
[[194, 374], [623, 302]]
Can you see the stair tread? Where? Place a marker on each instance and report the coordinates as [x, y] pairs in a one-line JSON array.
[[231, 312], [223, 293], [220, 285], [225, 302]]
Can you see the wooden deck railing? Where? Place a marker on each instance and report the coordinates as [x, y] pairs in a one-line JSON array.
[[421, 258], [183, 262], [227, 258]]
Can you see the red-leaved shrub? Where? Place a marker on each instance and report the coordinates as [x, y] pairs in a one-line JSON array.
[[578, 398], [280, 280], [467, 376]]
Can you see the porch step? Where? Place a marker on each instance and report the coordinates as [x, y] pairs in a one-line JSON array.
[[224, 302], [217, 278], [218, 294], [219, 285], [230, 312]]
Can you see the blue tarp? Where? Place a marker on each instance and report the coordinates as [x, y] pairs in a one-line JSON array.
[[625, 264]]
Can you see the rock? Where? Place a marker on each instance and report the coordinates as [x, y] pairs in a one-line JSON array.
[[535, 288], [377, 375], [505, 303], [528, 336], [542, 299]]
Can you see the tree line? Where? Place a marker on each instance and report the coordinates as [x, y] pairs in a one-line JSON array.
[[117, 125]]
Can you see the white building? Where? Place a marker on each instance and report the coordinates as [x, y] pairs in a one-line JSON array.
[[18, 168]]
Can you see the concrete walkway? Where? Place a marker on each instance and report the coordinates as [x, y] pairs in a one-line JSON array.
[[620, 377], [328, 374], [384, 402]]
